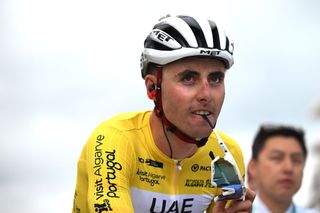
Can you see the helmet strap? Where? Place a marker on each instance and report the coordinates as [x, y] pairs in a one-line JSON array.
[[158, 109]]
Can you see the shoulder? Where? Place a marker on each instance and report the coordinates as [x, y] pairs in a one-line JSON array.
[[118, 130], [126, 121], [230, 142], [116, 134]]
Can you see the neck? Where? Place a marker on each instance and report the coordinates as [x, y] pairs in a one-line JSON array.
[[180, 149], [275, 205]]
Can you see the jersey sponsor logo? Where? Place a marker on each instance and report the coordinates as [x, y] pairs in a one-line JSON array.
[[104, 207], [99, 189], [197, 167], [198, 183], [149, 177], [166, 206], [75, 207], [98, 162], [194, 183], [151, 162], [154, 163], [112, 167]]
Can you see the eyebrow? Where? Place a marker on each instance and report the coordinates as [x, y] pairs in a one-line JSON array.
[[194, 72], [187, 71], [217, 73], [294, 154]]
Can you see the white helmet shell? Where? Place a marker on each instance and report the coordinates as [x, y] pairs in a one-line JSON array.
[[174, 38]]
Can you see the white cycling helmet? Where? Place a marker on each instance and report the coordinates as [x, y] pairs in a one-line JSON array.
[[177, 37]]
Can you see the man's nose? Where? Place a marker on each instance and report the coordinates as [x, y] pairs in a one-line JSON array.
[[288, 164], [203, 94]]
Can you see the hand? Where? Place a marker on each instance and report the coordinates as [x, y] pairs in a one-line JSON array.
[[237, 205]]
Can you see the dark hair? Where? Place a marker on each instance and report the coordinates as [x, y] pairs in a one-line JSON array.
[[152, 68], [267, 131]]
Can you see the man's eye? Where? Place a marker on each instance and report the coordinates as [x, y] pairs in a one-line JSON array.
[[217, 78], [276, 158], [298, 159], [188, 78]]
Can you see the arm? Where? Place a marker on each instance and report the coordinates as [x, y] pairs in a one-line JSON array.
[[103, 180]]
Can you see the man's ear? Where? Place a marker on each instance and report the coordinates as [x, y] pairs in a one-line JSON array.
[[150, 83], [251, 174]]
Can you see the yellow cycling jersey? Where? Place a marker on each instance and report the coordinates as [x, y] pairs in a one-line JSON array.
[[122, 170]]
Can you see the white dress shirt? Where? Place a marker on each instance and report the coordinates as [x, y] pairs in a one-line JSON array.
[[260, 207]]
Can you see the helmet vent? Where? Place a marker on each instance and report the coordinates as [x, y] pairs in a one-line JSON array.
[[196, 29]]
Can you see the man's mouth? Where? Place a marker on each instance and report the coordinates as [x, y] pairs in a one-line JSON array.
[[202, 113]]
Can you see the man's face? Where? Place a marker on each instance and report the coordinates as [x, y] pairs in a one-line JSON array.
[[191, 87], [278, 170]]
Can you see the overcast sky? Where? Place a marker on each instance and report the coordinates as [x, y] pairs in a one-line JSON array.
[[67, 65]]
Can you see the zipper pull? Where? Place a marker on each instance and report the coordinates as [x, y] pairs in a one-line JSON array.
[[178, 163]]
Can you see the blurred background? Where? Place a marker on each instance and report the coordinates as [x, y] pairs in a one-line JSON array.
[[67, 65]]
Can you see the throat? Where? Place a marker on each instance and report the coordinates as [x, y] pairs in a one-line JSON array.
[[168, 142], [176, 148]]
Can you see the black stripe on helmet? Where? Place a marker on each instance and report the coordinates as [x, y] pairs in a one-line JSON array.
[[173, 33], [215, 35], [150, 43], [196, 29], [228, 44]]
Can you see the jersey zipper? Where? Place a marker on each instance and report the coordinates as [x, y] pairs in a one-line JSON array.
[[178, 165], [177, 170]]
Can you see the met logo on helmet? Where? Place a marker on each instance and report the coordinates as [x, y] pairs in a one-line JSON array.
[[164, 38], [209, 52]]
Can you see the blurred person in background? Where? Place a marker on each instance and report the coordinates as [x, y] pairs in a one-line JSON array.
[[160, 160], [315, 187], [275, 170]]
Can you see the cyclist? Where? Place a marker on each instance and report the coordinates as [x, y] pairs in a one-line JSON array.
[[160, 160]]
